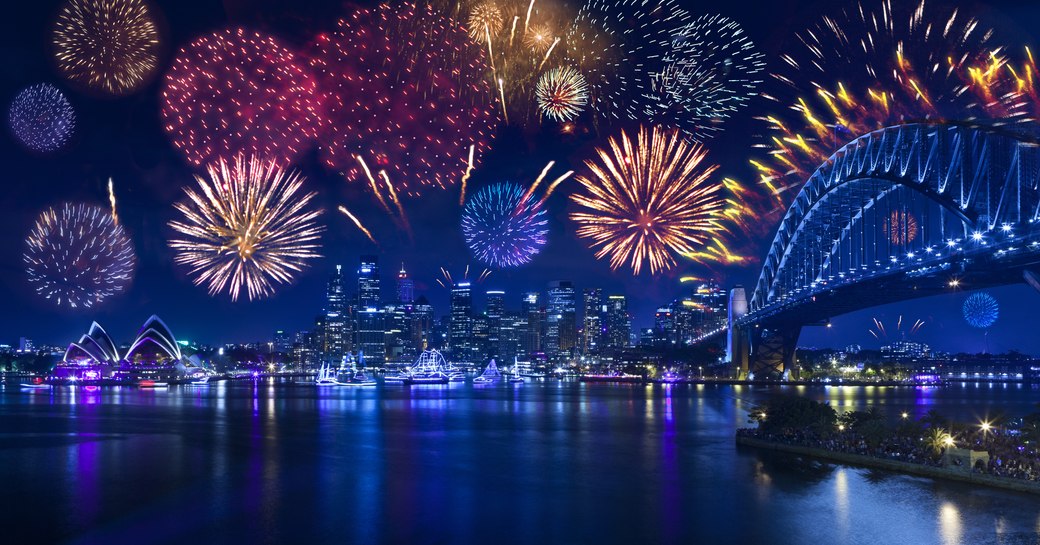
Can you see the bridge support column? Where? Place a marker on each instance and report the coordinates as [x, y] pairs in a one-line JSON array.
[[773, 352], [1032, 278], [738, 346]]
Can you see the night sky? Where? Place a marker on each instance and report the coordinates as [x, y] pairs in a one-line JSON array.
[[122, 138]]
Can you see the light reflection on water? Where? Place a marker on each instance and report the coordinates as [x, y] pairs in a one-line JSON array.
[[541, 462]]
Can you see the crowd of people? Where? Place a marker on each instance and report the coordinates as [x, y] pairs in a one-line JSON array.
[[1012, 448], [903, 449]]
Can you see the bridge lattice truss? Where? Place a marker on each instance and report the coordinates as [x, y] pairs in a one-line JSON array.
[[909, 199]]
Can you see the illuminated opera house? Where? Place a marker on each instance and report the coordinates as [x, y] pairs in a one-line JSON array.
[[153, 355]]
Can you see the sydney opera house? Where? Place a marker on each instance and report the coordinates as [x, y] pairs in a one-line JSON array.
[[154, 355]]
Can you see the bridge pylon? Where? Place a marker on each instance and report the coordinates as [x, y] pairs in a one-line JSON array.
[[772, 353]]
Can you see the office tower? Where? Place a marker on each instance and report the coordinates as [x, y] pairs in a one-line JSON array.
[[461, 331], [511, 334], [335, 329], [422, 326], [480, 341], [664, 328], [282, 342], [368, 282], [591, 323], [495, 310], [405, 287], [531, 307], [561, 327], [617, 329]]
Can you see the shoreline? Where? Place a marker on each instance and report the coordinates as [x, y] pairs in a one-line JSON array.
[[919, 470]]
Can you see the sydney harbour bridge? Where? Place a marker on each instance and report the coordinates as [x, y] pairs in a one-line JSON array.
[[903, 212]]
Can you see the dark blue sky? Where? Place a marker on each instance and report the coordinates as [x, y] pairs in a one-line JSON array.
[[122, 138]]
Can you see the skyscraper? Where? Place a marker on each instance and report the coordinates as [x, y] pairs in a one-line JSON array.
[[405, 287], [591, 330], [422, 325], [368, 282], [561, 327], [494, 313], [461, 332], [531, 308], [617, 328], [335, 331], [370, 331]]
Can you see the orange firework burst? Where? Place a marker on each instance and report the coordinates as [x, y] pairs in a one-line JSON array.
[[900, 227], [649, 199], [1006, 90], [246, 227]]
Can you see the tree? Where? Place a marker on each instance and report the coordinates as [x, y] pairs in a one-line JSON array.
[[938, 439], [933, 419], [791, 413]]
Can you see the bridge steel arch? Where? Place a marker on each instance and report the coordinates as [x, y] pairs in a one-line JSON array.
[[970, 193]]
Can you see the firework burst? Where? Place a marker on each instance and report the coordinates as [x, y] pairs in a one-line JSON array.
[[901, 227], [916, 57], [503, 226], [650, 199], [77, 256], [618, 45], [713, 71], [406, 99], [42, 118], [562, 93], [237, 91], [484, 20], [980, 310], [108, 45], [246, 226]]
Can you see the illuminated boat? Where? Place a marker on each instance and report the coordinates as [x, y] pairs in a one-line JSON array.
[[151, 384], [429, 369], [357, 379], [516, 378], [326, 376], [36, 385], [491, 374], [202, 381]]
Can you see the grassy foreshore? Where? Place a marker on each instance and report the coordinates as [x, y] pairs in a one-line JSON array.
[[1018, 485]]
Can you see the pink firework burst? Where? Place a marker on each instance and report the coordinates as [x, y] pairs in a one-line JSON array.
[[237, 91], [406, 98]]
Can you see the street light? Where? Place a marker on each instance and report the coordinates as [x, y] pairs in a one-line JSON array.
[[948, 441], [841, 427], [985, 426], [905, 415]]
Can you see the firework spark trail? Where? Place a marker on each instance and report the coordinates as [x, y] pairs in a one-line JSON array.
[[880, 332], [527, 20], [465, 176], [358, 223], [112, 201], [553, 185], [110, 46], [246, 227], [649, 199], [77, 256], [538, 180]]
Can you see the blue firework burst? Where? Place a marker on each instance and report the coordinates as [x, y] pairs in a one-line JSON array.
[[42, 118], [503, 226], [981, 310]]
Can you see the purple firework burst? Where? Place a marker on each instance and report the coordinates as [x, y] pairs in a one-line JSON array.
[[42, 118]]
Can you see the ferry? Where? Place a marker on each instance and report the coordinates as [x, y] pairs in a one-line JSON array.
[[491, 374]]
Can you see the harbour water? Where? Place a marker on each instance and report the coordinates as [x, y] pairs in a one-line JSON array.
[[277, 462]]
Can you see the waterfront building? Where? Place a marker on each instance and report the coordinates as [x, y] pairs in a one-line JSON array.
[[25, 345], [617, 328], [460, 341], [371, 336], [154, 354], [512, 333], [397, 338], [532, 308], [422, 325], [591, 330], [480, 341], [336, 326], [561, 328], [369, 294], [405, 287], [664, 332], [495, 310]]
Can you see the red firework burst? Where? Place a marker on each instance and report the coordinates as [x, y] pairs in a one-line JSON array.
[[240, 92], [406, 94]]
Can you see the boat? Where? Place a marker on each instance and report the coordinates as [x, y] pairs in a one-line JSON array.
[[516, 378], [36, 385], [454, 373], [326, 376], [428, 369], [398, 378], [358, 379], [151, 384], [491, 374], [201, 381]]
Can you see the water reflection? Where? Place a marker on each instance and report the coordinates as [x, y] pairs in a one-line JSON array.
[[549, 462]]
